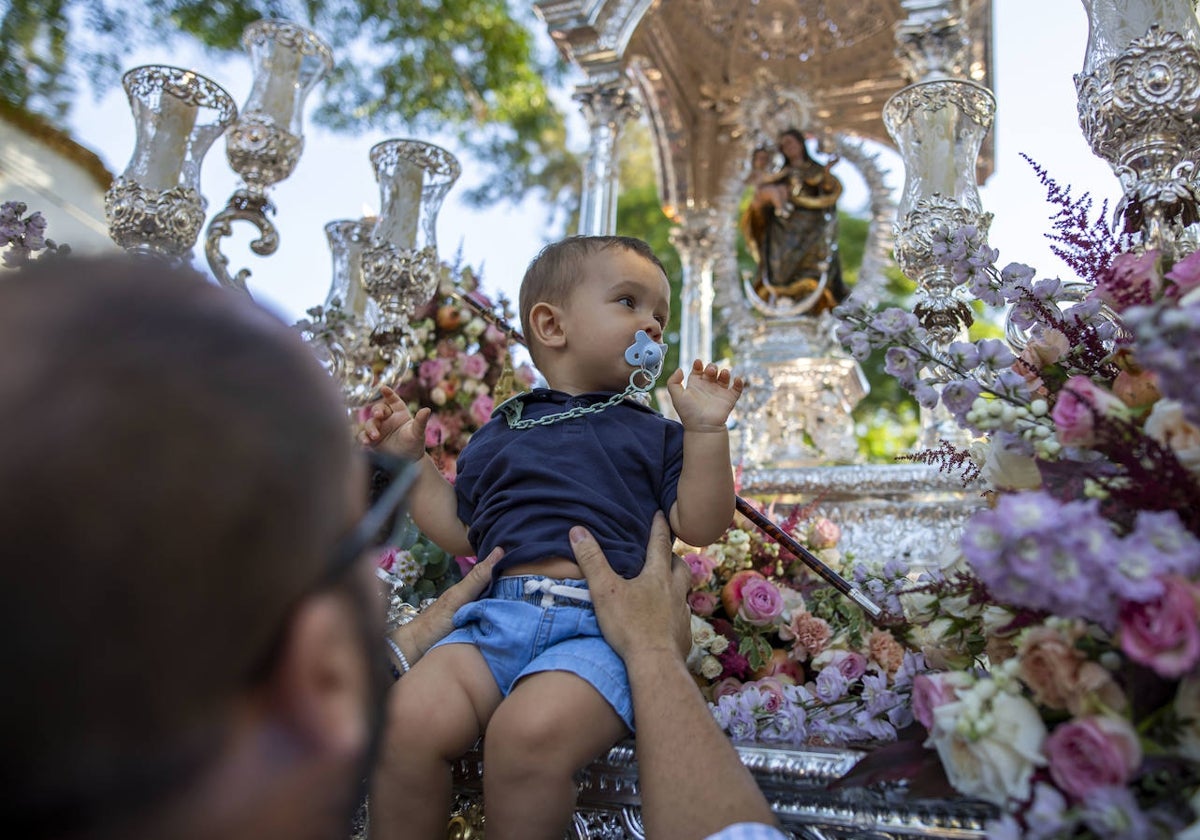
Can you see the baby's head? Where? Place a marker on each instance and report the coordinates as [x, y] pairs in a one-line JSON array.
[[562, 267]]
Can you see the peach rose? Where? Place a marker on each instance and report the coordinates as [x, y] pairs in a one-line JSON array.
[[885, 650]]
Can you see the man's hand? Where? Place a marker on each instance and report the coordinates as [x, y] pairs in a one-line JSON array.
[[648, 612], [391, 428], [705, 402], [432, 625]]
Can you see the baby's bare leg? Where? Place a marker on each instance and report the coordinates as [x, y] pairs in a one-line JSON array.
[[434, 714], [552, 725]]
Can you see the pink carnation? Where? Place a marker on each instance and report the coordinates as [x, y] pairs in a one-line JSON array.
[[1162, 633], [886, 651], [387, 559], [435, 431], [811, 635], [1093, 752], [525, 375], [771, 691]]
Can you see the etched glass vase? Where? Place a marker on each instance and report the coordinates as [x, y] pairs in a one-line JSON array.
[[155, 205]]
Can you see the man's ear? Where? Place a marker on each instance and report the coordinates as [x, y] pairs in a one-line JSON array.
[[321, 682], [546, 325]]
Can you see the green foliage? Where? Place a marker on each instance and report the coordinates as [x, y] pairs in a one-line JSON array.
[[466, 68]]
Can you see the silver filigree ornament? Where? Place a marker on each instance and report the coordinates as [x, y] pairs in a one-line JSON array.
[[1140, 112], [155, 205]]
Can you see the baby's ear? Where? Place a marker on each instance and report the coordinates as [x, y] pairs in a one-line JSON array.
[[546, 325]]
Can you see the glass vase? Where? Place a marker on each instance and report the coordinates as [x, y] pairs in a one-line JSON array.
[[155, 205], [400, 260]]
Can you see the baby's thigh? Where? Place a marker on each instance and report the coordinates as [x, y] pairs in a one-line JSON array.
[[445, 701], [554, 718]]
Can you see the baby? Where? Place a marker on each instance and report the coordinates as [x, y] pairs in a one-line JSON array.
[[527, 665]]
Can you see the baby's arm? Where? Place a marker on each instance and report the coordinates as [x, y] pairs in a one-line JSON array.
[[431, 502], [704, 504]]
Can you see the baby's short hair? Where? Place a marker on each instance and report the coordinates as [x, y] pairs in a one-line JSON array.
[[553, 273]]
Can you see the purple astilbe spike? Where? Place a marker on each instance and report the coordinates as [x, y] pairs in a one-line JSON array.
[[1088, 246]]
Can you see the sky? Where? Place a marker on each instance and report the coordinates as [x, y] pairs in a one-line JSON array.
[[1038, 46]]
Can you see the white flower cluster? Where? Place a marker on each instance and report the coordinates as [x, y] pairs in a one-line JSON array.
[[707, 645], [1032, 423]]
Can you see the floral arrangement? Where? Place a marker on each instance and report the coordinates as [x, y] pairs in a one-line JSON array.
[[21, 235], [458, 359], [783, 657], [459, 363], [1084, 571]]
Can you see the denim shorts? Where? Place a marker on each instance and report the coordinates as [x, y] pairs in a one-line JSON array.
[[519, 636]]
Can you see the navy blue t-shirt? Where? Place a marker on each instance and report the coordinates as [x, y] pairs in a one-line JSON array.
[[610, 471]]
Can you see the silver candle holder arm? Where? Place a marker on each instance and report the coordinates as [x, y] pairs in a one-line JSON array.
[[265, 143]]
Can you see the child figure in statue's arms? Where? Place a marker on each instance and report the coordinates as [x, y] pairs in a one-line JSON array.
[[527, 664]]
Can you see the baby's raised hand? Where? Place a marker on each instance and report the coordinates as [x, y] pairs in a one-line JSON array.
[[390, 427], [705, 402]]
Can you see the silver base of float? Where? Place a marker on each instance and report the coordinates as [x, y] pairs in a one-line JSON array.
[[796, 783]]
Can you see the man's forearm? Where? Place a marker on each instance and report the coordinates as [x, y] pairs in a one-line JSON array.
[[678, 740]]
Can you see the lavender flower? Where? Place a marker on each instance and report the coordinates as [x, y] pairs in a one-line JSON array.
[[958, 397], [831, 685], [1113, 812], [994, 354], [1168, 343], [903, 364], [1047, 813]]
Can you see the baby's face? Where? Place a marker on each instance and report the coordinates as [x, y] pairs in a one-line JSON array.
[[621, 293]]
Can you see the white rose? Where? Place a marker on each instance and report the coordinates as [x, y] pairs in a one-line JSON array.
[[1010, 471], [919, 606], [437, 396], [702, 632], [996, 764], [718, 645], [710, 668], [1167, 425]]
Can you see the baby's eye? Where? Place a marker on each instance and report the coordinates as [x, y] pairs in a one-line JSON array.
[[662, 321], [625, 300]]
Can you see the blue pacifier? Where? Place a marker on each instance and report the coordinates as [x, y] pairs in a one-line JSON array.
[[647, 355]]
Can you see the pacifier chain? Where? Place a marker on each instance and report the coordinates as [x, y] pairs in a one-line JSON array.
[[645, 354]]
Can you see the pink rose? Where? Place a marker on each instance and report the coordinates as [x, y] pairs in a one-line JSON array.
[[1045, 347], [771, 691], [701, 566], [1092, 752], [1136, 389], [703, 603], [852, 665], [387, 559], [761, 602], [494, 335], [1185, 274], [781, 667], [525, 375], [823, 533], [1162, 633], [481, 409], [473, 365], [435, 432], [433, 371], [1131, 280], [1076, 409], [932, 690], [731, 592], [729, 685]]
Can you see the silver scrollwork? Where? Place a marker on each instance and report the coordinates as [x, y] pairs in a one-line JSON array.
[[159, 221], [1141, 113]]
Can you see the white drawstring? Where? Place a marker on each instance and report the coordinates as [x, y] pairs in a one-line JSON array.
[[549, 589]]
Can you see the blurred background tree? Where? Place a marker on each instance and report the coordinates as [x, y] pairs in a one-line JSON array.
[[470, 69]]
